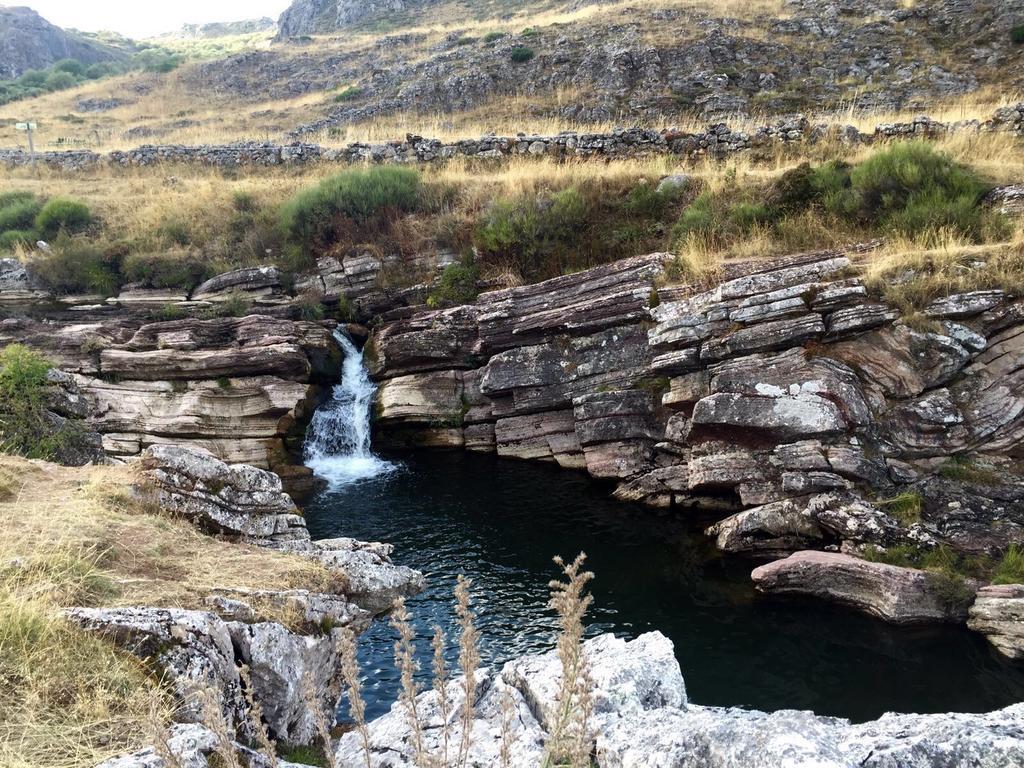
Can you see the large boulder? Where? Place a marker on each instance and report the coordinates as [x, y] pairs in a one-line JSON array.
[[897, 595], [237, 500], [641, 718], [998, 613]]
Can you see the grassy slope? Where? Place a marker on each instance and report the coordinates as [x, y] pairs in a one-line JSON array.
[[76, 537], [182, 108]]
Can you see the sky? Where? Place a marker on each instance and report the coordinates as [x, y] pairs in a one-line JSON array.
[[147, 18]]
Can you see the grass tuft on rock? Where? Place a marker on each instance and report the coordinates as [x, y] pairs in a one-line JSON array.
[[1010, 568]]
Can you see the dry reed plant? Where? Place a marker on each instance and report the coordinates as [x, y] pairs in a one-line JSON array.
[[254, 713], [570, 737], [440, 670], [469, 661], [405, 660], [322, 721], [354, 689]]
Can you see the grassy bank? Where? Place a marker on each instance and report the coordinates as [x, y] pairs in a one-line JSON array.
[[77, 537], [524, 219]]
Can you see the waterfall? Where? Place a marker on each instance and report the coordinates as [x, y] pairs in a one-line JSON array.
[[338, 439]]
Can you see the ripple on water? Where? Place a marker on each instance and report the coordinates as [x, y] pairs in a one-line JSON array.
[[500, 522]]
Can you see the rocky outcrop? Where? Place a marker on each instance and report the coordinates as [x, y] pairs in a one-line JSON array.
[[897, 595], [238, 500], [28, 41], [250, 504], [641, 717], [784, 395], [998, 613], [238, 387], [199, 654]]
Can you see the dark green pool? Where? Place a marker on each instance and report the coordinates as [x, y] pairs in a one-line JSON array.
[[500, 522]]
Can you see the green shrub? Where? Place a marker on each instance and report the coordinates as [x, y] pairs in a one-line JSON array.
[[10, 198], [906, 507], [348, 93], [169, 312], [965, 470], [311, 217], [71, 66], [456, 287], [311, 307], [15, 237], [493, 37], [1017, 34], [60, 81], [180, 270], [23, 427], [61, 213], [244, 202], [19, 213], [1010, 569], [34, 78], [912, 188], [644, 201], [535, 237], [521, 54], [75, 266], [716, 218]]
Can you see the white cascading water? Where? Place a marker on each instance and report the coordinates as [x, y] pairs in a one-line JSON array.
[[338, 439]]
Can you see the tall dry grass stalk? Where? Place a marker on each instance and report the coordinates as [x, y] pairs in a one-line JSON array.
[[440, 670], [405, 660], [469, 661], [570, 740], [322, 721], [254, 713], [354, 687], [213, 718]]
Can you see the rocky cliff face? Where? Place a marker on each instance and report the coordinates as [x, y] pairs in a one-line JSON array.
[[311, 17], [785, 401], [239, 387], [28, 41]]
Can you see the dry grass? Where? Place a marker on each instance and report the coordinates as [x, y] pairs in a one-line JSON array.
[[910, 274], [75, 537]]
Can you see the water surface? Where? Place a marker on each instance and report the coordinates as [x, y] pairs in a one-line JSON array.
[[501, 521]]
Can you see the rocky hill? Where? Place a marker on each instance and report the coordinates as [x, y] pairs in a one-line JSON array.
[[221, 29], [650, 62], [28, 41], [311, 17]]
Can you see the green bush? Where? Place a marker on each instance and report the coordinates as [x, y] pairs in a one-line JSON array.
[[911, 188], [1017, 34], [60, 81], [23, 428], [521, 54], [348, 93], [179, 270], [71, 66], [20, 213], [493, 37], [906, 507], [75, 266], [311, 218], [644, 201], [716, 218], [457, 286], [14, 237], [1010, 569], [61, 213], [11, 198], [535, 237]]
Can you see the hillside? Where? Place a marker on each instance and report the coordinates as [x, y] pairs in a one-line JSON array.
[[28, 41], [465, 69]]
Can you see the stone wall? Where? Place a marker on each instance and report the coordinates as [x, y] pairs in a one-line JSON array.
[[717, 141]]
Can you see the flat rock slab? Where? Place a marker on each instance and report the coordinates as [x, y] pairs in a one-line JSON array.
[[897, 595]]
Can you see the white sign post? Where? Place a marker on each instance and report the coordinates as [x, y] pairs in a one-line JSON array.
[[29, 128]]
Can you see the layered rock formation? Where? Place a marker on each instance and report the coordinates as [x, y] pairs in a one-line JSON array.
[[785, 400], [641, 717], [898, 595], [785, 392], [288, 639], [239, 387]]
